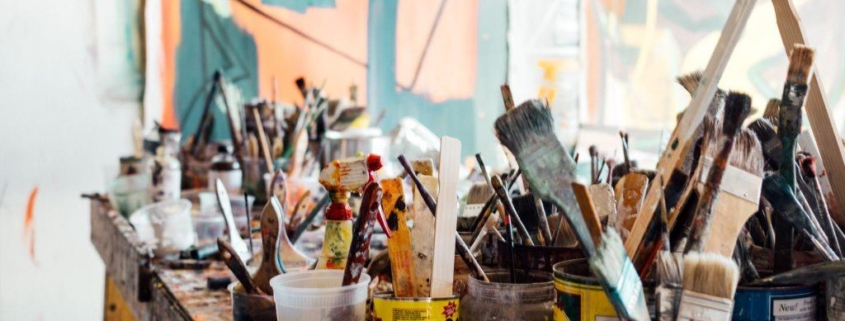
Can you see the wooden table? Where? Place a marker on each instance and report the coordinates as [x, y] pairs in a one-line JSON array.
[[137, 288]]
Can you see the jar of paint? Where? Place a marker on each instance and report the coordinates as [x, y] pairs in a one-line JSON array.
[[531, 297]]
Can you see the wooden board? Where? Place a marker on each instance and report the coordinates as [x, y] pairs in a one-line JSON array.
[[693, 116], [422, 235], [446, 224], [399, 244], [818, 112], [115, 307]]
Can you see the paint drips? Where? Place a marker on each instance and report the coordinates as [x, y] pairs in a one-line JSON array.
[[28, 225]]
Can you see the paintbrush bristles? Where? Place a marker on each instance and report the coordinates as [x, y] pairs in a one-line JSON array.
[[511, 127], [690, 81], [800, 64], [737, 107], [772, 110], [711, 274], [748, 154]]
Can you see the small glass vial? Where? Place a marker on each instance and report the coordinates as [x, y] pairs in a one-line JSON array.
[[225, 167], [166, 176]]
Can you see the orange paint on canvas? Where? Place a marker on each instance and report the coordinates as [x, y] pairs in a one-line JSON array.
[[287, 56], [449, 67], [171, 32], [28, 224]]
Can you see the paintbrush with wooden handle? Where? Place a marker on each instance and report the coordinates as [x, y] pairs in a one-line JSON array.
[[681, 136], [528, 132], [737, 107]]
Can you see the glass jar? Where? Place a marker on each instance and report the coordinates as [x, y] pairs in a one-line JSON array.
[[530, 298], [225, 167]]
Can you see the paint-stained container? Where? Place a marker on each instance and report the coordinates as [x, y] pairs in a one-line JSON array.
[[793, 303], [531, 297], [580, 297], [251, 307], [387, 307]]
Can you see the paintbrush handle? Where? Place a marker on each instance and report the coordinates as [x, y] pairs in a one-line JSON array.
[[511, 210], [359, 249], [262, 140], [543, 221], [230, 257], [466, 255], [819, 114], [429, 201], [708, 198], [310, 218]]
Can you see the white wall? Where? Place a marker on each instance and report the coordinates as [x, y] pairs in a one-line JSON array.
[[56, 133]]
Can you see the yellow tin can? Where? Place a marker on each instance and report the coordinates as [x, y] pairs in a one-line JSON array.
[[580, 297], [386, 307]]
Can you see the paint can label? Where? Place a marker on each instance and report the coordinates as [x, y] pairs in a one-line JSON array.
[[389, 308], [784, 303], [578, 301]]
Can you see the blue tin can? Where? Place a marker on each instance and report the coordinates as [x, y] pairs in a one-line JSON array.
[[793, 303]]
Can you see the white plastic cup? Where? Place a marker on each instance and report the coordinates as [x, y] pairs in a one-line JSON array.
[[317, 295]]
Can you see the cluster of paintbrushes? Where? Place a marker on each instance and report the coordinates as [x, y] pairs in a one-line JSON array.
[[268, 130]]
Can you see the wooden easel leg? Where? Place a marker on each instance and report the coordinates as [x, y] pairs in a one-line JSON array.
[[114, 307]]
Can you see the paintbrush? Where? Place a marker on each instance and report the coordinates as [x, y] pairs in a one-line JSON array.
[[269, 238], [359, 250], [279, 188], [808, 166], [778, 192], [399, 245], [236, 265], [807, 275], [624, 137], [682, 136], [531, 211], [528, 132], [737, 107], [286, 257], [262, 140], [669, 273], [591, 217], [772, 110], [769, 141], [789, 126], [789, 117], [463, 249], [510, 210], [710, 282], [321, 204], [618, 277], [490, 208], [235, 239], [743, 258], [740, 195]]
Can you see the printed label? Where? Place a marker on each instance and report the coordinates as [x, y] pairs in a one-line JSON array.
[[413, 310], [471, 210], [800, 309]]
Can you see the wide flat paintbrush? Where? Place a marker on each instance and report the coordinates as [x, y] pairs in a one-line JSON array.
[[682, 136], [710, 282], [740, 195], [737, 107], [528, 132], [769, 141]]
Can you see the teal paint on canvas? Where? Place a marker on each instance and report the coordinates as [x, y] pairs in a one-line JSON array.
[[210, 42]]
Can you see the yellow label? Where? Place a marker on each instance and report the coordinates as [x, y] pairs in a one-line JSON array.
[[390, 309], [336, 245], [581, 302]]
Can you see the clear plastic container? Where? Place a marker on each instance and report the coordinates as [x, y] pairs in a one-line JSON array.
[[317, 295], [530, 298], [129, 193], [167, 224], [251, 307]]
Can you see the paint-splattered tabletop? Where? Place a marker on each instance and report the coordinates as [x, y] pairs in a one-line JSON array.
[[189, 287]]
